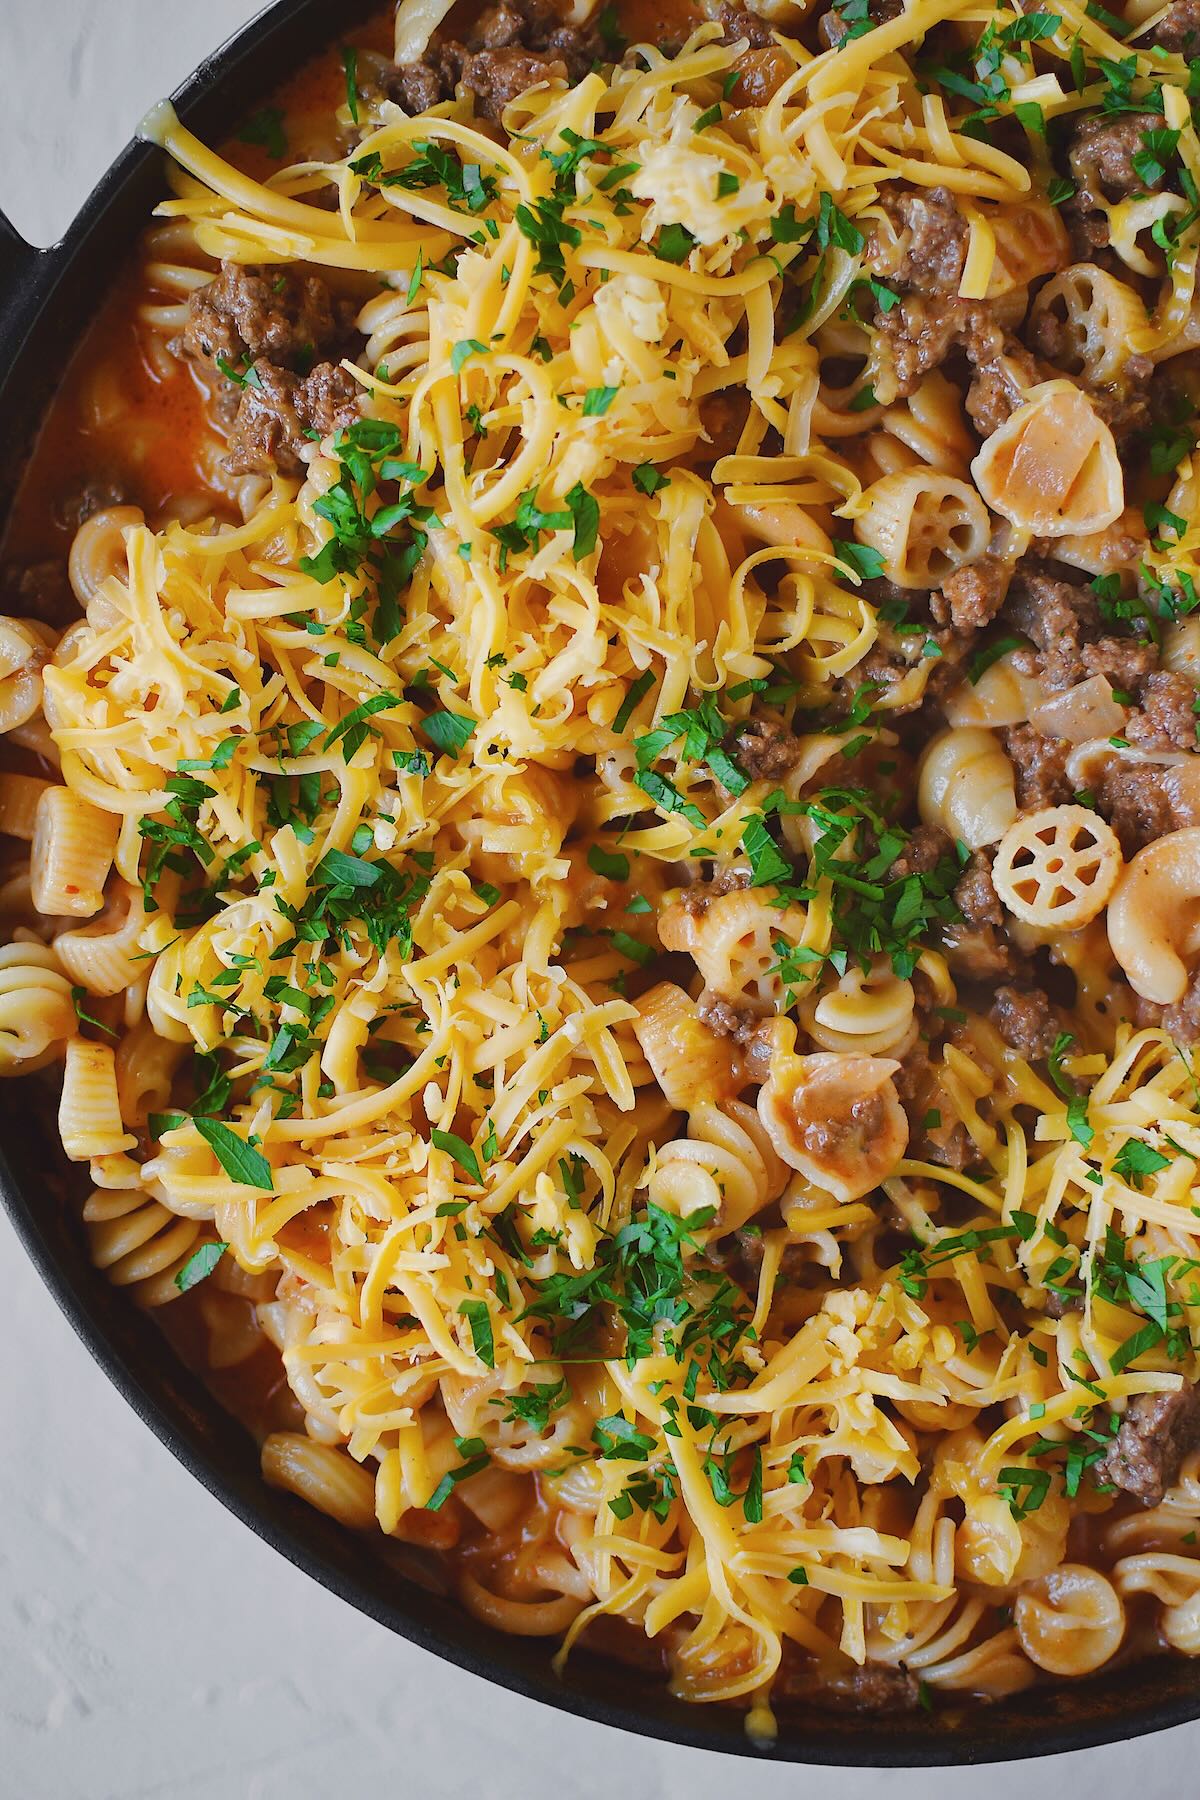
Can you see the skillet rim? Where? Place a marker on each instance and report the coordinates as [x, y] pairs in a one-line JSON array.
[[37, 298]]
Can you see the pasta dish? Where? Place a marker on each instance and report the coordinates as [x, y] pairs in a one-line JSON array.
[[600, 679]]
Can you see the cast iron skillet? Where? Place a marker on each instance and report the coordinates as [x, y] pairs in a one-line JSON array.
[[46, 299]]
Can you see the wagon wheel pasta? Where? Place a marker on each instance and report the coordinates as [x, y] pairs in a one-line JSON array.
[[599, 815]]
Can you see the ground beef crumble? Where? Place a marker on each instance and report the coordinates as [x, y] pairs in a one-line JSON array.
[[931, 240], [765, 749], [261, 335], [1062, 618], [935, 1135], [858, 1124], [1040, 767], [510, 49], [976, 947], [698, 896], [1138, 804], [729, 1019], [926, 848], [280, 414], [972, 596], [1179, 28], [1026, 1021], [1154, 1436], [1101, 161], [1166, 716], [247, 313]]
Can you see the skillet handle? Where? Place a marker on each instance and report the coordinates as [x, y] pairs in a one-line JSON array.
[[20, 266]]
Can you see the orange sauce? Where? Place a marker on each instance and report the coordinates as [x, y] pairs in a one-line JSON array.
[[148, 449]]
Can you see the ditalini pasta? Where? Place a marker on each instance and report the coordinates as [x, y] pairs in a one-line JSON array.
[[601, 821]]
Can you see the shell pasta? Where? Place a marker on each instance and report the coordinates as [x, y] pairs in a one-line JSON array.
[[601, 822]]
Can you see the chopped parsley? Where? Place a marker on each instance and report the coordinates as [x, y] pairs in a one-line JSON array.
[[239, 1159], [350, 70], [476, 1456], [695, 735], [466, 187], [461, 1152], [199, 1266], [384, 542], [868, 564], [266, 129]]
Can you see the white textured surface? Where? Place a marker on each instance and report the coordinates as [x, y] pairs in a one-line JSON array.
[[150, 1647]]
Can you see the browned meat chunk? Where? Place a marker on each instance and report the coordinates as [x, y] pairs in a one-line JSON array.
[[497, 77], [876, 1688], [1040, 766], [1101, 157], [765, 749], [1138, 804], [925, 849], [977, 948], [1179, 28], [738, 23], [1026, 1021], [510, 49], [917, 336], [727, 1019], [833, 30], [699, 896], [264, 331], [579, 50], [92, 497], [328, 399], [932, 240], [1166, 718], [1155, 1435], [1064, 621], [935, 1135], [247, 313], [498, 28], [1004, 371], [267, 432], [971, 597], [279, 413], [418, 86]]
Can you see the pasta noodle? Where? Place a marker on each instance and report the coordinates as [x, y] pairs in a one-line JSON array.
[[603, 826]]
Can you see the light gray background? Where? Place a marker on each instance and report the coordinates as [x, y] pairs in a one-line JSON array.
[[149, 1644]]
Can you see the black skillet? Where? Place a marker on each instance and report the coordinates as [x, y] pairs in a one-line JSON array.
[[46, 299]]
